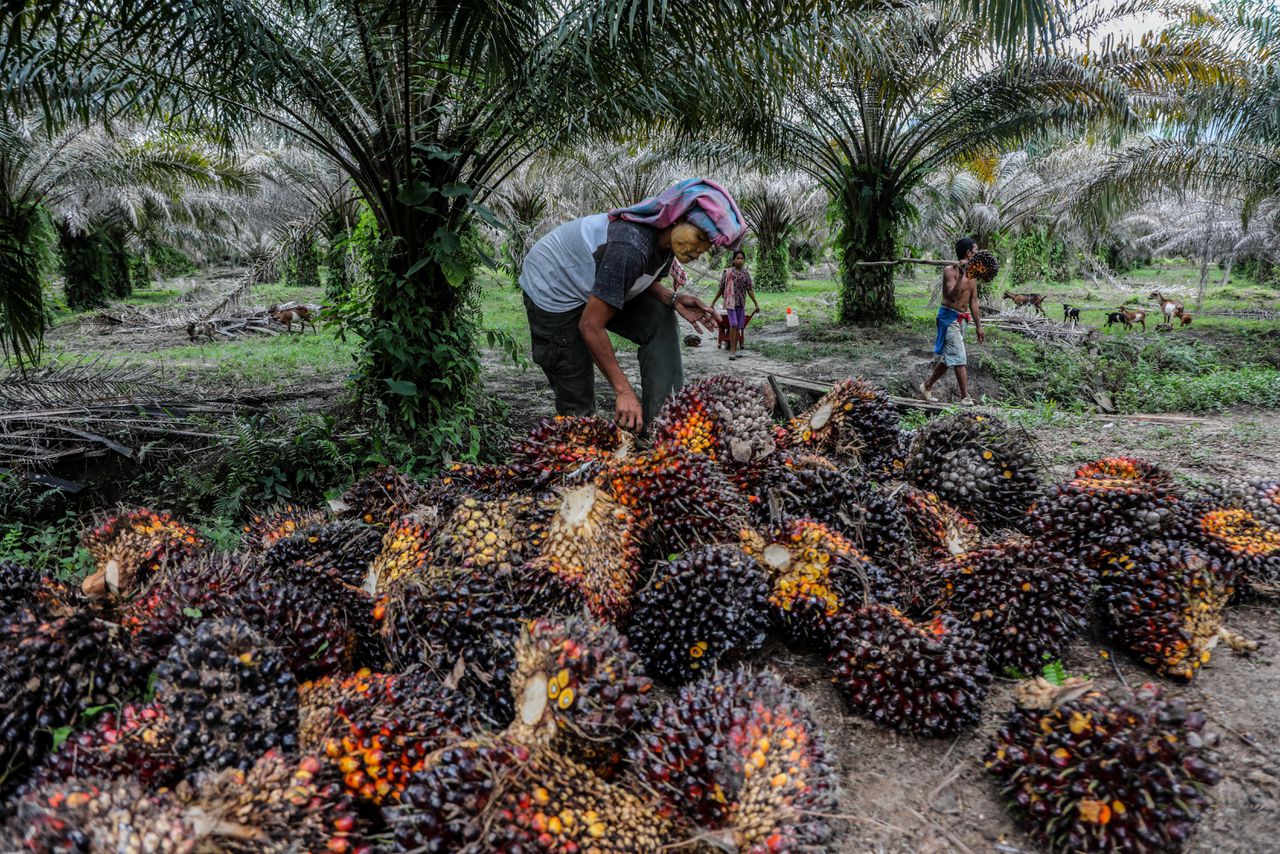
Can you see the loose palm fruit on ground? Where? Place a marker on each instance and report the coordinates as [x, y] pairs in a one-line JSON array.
[[983, 266], [723, 417], [855, 422], [739, 757], [1025, 602], [1109, 506], [578, 690], [135, 741], [381, 496], [53, 668], [341, 549], [922, 678], [1107, 773], [405, 551], [813, 573], [91, 815], [502, 797], [592, 547], [1163, 601], [279, 806], [685, 497], [382, 728], [979, 465], [465, 621], [230, 694], [702, 606], [127, 549], [937, 529], [265, 529], [1249, 549]]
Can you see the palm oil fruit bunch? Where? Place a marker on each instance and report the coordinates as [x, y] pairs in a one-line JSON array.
[[1249, 549], [405, 551], [921, 678], [91, 815], [484, 534], [381, 496], [978, 465], [592, 547], [938, 530], [1163, 601], [501, 797], [703, 606], [855, 421], [342, 549], [1259, 495], [983, 266], [472, 616], [1111, 504], [127, 549], [578, 689], [264, 529], [19, 586], [314, 638], [684, 497], [739, 758], [384, 728], [1025, 602], [688, 420], [723, 417], [177, 597], [278, 806], [1107, 773], [53, 668], [135, 741], [560, 447], [813, 573], [230, 694]]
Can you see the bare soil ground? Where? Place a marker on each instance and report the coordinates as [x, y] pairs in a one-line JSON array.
[[904, 794]]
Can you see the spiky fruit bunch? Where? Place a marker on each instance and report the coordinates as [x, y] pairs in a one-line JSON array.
[[813, 573], [592, 547], [466, 621], [855, 421], [342, 549], [1260, 496], [405, 549], [685, 497], [490, 482], [704, 605], [489, 534], [264, 529], [381, 496], [502, 797], [318, 699], [937, 529], [51, 670], [558, 447], [1025, 602], [278, 806], [760, 481], [1110, 505], [19, 586], [127, 549], [722, 417], [739, 756], [379, 729], [1163, 601], [176, 597], [314, 638], [578, 689], [1099, 773], [983, 266], [921, 678], [90, 815], [135, 741], [1248, 548], [979, 465], [230, 694]]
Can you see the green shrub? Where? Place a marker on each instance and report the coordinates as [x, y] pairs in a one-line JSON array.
[[773, 272], [168, 261], [1152, 391]]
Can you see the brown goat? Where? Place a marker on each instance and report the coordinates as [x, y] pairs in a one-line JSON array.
[[1135, 316], [292, 314], [1033, 300], [198, 329], [1168, 307], [1185, 318]]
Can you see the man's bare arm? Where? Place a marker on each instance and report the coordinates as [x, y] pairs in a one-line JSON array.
[[973, 310], [595, 317]]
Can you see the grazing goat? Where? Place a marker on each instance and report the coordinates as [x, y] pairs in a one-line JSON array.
[[1034, 300], [198, 329], [1168, 307], [1185, 318], [291, 314], [1136, 316], [1121, 317], [1069, 313]]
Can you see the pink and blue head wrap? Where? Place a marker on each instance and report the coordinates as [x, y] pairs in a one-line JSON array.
[[700, 201]]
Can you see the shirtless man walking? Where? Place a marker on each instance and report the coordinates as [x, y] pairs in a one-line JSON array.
[[959, 305]]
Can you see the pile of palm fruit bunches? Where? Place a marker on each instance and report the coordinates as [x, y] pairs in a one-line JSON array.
[[566, 652]]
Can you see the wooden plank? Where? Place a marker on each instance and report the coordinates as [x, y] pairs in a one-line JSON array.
[[781, 398]]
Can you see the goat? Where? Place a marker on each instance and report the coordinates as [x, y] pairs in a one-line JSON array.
[[1121, 317], [1185, 317], [1168, 307], [290, 314], [1033, 300], [197, 329], [1136, 316], [1069, 313]]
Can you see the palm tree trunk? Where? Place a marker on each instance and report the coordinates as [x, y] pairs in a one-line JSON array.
[[773, 266], [866, 293], [21, 297]]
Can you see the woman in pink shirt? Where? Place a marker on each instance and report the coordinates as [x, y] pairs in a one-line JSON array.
[[735, 287]]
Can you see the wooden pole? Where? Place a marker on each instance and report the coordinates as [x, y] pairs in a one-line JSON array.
[[927, 262]]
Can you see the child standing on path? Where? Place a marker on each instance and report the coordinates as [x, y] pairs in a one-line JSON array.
[[735, 287]]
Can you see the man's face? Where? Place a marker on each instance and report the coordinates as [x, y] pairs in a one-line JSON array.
[[688, 242], [972, 250]]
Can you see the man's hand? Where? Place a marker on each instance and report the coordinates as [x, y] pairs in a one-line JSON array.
[[982, 336], [696, 312], [627, 411]]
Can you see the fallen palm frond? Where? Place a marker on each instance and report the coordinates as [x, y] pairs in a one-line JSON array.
[[1037, 327], [86, 380]]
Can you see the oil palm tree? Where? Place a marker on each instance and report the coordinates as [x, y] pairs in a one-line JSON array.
[[776, 207]]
